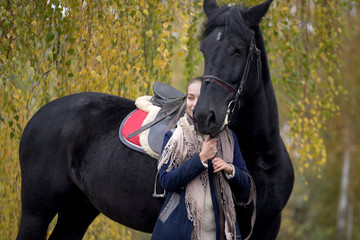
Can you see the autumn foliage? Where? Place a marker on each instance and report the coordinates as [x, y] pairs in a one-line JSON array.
[[52, 48]]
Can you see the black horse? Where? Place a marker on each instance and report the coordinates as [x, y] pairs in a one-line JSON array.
[[73, 164], [236, 68]]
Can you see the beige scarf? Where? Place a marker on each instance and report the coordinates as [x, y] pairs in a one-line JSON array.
[[185, 143]]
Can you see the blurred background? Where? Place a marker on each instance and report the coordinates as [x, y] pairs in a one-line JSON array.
[[52, 48]]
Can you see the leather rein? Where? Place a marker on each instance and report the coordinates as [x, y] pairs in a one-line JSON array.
[[254, 52]]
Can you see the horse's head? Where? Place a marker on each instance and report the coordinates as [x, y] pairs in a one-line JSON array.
[[232, 63]]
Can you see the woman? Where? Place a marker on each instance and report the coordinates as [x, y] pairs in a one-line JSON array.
[[202, 176]]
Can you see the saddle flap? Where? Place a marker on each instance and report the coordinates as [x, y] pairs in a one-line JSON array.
[[157, 132], [165, 91]]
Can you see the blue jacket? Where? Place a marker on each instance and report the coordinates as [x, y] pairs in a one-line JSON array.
[[173, 223]]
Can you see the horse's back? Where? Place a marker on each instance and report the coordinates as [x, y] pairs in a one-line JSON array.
[[51, 147], [59, 128]]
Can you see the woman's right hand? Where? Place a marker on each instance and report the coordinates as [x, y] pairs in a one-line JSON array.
[[208, 149]]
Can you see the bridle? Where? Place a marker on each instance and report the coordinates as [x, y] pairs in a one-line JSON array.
[[254, 52]]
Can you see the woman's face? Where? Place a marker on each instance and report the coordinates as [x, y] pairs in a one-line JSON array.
[[192, 97]]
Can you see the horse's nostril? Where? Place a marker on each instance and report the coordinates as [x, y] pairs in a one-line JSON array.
[[211, 118]]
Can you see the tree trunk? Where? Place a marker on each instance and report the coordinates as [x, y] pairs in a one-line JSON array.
[[344, 220]]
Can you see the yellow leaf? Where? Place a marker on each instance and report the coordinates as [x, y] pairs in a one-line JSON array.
[[183, 41], [185, 27], [180, 54], [93, 73], [164, 34], [149, 33], [162, 46], [98, 58]]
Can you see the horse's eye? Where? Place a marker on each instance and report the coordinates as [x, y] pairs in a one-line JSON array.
[[234, 51], [237, 52]]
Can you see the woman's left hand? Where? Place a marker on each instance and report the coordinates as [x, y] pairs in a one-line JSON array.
[[219, 164]]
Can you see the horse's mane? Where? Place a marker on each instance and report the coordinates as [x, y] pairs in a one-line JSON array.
[[231, 18]]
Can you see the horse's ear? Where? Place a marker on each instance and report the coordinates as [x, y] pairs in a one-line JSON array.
[[254, 14], [209, 7]]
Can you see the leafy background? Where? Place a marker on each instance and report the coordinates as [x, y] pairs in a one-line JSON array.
[[52, 48]]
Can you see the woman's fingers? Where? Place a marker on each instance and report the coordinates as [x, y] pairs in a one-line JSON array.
[[218, 164], [208, 149]]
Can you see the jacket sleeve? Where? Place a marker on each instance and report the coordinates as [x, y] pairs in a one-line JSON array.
[[178, 177], [240, 182]]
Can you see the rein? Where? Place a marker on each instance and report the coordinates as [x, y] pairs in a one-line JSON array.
[[239, 93]]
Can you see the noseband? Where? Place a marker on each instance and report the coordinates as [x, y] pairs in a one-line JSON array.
[[239, 93]]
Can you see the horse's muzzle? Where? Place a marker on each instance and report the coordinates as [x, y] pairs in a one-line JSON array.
[[205, 123]]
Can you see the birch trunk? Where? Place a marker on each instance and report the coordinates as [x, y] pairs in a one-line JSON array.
[[344, 214]]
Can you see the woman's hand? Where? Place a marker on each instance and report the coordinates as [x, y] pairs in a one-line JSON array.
[[208, 149], [219, 164]]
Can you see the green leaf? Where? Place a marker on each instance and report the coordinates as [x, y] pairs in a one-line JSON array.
[[71, 51], [3, 3], [6, 25], [58, 30], [49, 37]]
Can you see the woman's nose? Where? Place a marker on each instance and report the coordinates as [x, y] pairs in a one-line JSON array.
[[193, 106]]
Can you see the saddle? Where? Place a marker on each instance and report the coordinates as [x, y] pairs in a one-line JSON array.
[[144, 128]]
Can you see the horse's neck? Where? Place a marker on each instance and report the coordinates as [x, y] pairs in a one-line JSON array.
[[257, 123]]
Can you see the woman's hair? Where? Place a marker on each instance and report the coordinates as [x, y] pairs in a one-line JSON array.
[[194, 80], [182, 109]]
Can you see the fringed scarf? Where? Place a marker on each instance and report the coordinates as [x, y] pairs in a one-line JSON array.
[[185, 143]]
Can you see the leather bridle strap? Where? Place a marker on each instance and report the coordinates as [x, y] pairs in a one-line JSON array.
[[218, 80]]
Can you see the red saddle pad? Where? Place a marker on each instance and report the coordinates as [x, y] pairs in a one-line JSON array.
[[132, 124]]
